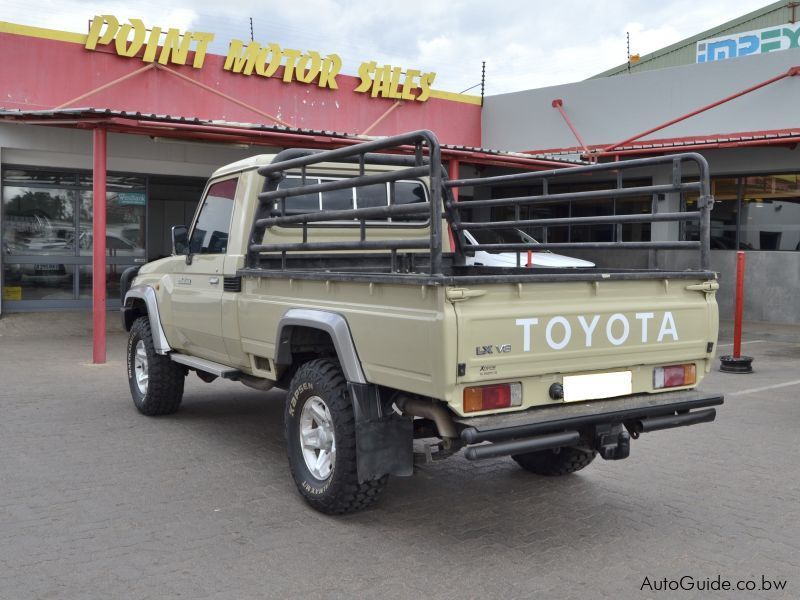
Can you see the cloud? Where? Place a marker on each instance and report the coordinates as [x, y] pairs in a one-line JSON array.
[[74, 15], [525, 43]]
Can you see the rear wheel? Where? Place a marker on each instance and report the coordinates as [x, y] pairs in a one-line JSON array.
[[561, 461], [319, 427], [156, 381]]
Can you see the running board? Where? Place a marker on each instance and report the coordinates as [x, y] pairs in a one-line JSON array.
[[207, 366]]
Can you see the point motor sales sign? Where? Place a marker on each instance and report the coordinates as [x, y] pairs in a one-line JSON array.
[[133, 39]]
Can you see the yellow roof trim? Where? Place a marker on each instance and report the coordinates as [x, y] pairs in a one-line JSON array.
[[455, 97], [41, 32]]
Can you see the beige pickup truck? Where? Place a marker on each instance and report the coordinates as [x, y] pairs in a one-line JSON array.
[[342, 276]]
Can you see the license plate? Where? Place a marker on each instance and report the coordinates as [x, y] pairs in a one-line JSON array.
[[597, 385], [47, 267]]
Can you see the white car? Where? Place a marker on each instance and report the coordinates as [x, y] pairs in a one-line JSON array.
[[541, 258]]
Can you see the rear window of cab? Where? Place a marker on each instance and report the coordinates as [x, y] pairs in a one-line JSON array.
[[370, 196]]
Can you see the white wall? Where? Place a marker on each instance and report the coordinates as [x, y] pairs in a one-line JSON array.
[[609, 110]]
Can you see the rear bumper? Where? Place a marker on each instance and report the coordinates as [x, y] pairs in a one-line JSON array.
[[584, 423]]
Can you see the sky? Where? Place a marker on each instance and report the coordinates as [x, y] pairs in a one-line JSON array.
[[526, 44]]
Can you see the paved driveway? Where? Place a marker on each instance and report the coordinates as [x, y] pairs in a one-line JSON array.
[[97, 501]]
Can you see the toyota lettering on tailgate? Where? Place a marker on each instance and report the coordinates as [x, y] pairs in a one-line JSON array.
[[617, 329]]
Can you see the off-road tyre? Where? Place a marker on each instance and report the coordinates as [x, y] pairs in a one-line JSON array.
[[551, 464], [340, 492], [164, 390]]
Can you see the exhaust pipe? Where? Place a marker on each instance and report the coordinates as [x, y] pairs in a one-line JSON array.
[[539, 443], [428, 410]]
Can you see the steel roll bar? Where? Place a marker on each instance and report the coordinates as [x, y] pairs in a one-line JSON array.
[[426, 162]]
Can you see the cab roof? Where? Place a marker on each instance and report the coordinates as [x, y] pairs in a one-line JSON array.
[[252, 162]]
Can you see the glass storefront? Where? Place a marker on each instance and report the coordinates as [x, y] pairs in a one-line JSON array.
[[637, 232], [754, 212], [47, 238]]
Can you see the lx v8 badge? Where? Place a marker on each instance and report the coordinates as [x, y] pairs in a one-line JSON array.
[[482, 350]]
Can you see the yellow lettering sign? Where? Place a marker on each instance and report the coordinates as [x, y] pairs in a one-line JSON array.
[[133, 39], [129, 39], [95, 36], [385, 82], [265, 60], [130, 49]]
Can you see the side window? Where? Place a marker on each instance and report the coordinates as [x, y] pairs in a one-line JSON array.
[[337, 199], [408, 192], [371, 196], [405, 192], [297, 205], [210, 233]]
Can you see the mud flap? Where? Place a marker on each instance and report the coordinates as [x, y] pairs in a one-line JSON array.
[[384, 439]]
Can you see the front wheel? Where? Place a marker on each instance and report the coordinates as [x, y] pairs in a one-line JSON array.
[[156, 381], [319, 427], [561, 461]]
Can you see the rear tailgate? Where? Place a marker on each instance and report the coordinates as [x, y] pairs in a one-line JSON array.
[[538, 333]]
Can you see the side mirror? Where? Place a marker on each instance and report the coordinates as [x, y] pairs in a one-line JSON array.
[[180, 240]]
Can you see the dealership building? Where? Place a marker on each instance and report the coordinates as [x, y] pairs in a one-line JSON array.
[[157, 114]]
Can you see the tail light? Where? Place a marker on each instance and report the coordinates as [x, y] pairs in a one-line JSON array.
[[674, 376], [491, 397]]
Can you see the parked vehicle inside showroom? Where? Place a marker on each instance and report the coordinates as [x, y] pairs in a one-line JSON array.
[[511, 235]]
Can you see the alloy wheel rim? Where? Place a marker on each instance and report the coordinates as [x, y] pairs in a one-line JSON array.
[[140, 367], [317, 439]]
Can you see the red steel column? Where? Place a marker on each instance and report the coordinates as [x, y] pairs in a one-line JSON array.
[[452, 174], [99, 247], [737, 319]]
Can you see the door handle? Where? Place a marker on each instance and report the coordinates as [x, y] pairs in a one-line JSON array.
[[213, 280]]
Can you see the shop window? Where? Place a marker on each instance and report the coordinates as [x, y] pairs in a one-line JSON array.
[[551, 210], [592, 208], [39, 281], [213, 224], [37, 176], [115, 182], [724, 216], [633, 205], [632, 232], [113, 275], [755, 212], [125, 224], [770, 218], [38, 221], [47, 237]]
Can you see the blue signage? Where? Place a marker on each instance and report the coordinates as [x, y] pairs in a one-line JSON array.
[[131, 198], [760, 41]]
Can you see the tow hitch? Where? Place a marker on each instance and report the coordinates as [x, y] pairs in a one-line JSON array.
[[612, 442]]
